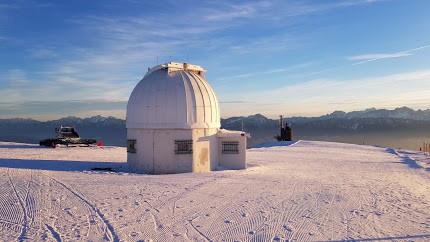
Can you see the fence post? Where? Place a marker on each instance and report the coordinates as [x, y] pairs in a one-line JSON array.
[[427, 145]]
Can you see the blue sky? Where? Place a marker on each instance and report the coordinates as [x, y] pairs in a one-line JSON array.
[[296, 58]]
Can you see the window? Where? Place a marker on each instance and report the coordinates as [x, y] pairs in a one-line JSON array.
[[131, 146], [230, 147], [183, 146]]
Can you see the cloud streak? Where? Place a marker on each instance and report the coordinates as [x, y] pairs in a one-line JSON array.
[[373, 57], [377, 56]]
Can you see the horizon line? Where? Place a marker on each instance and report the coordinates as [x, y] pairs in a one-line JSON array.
[[244, 116]]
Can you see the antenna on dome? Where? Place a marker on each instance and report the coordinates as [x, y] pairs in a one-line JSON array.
[[157, 60]]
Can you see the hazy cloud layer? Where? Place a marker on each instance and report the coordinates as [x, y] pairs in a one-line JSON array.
[[318, 97], [43, 110]]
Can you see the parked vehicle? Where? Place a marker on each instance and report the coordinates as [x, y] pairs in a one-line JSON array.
[[66, 135]]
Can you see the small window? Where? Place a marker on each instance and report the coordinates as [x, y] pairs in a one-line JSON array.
[[131, 146], [230, 147], [183, 146]]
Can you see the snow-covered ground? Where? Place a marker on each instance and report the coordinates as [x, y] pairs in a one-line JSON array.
[[303, 191]]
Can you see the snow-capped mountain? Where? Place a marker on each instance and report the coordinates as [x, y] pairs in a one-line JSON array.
[[110, 130], [401, 122], [398, 113], [401, 127]]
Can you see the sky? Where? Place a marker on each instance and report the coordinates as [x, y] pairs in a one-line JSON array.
[[295, 58]]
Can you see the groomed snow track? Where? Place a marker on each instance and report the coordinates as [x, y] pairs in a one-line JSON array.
[[306, 191]]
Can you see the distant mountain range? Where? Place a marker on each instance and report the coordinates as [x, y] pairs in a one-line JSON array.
[[401, 127], [110, 130]]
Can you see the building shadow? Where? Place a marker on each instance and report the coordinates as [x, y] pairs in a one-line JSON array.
[[24, 146], [276, 144], [63, 165]]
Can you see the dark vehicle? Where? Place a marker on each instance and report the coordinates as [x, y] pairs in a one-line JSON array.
[[66, 135]]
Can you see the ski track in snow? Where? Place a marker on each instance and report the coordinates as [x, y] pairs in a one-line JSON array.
[[309, 191]]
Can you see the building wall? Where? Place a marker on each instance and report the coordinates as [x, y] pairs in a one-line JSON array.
[[205, 150], [141, 160], [155, 151], [233, 161]]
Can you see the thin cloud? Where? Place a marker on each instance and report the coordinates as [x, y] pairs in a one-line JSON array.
[[377, 56], [269, 71], [233, 11], [358, 2], [394, 55], [235, 101], [366, 58]]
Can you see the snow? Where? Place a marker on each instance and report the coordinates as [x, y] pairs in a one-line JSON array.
[[231, 133], [302, 191]]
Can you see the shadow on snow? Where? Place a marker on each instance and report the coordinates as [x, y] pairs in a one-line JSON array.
[[404, 159], [23, 146], [406, 237], [276, 144], [61, 165]]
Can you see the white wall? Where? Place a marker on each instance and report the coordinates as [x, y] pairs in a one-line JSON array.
[[142, 160], [210, 136], [155, 151], [201, 156], [233, 161]]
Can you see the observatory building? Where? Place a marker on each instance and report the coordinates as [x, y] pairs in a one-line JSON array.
[[173, 124]]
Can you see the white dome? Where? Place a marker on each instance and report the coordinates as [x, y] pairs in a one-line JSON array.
[[173, 96]]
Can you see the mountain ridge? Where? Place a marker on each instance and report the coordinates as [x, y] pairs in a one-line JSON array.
[[349, 127], [400, 113]]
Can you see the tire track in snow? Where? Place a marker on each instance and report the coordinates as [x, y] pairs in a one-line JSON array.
[[286, 230], [21, 203], [54, 233], [198, 231], [303, 213], [257, 225], [23, 234], [186, 220], [109, 230], [30, 203], [224, 209], [9, 214], [248, 224], [178, 224], [328, 212]]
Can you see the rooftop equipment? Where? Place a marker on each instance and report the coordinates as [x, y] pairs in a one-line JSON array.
[[286, 132]]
